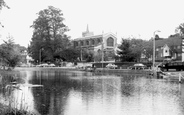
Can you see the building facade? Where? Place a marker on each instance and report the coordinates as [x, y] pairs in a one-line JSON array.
[[102, 44], [167, 49]]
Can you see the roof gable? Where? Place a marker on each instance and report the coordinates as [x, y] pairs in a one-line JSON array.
[[165, 46], [96, 36]]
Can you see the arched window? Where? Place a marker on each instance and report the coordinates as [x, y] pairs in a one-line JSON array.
[[81, 43], [76, 43], [92, 42], [87, 42], [110, 41], [98, 40]]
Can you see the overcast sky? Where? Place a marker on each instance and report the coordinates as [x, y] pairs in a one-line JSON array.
[[138, 18]]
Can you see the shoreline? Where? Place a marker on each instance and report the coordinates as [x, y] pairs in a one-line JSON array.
[[97, 70]]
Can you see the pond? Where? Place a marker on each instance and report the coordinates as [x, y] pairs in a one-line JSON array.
[[85, 93]]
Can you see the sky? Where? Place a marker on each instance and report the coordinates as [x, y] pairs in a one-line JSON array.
[[125, 18]]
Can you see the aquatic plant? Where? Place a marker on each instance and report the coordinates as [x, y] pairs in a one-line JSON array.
[[13, 106], [16, 112]]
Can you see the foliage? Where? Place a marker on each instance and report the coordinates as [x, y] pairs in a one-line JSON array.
[[148, 52], [126, 53], [180, 29], [10, 53], [68, 54], [98, 56], [136, 48], [3, 4], [11, 108], [49, 36], [17, 112], [130, 50], [108, 55], [88, 56]]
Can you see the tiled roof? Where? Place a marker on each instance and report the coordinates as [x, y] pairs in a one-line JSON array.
[[94, 36], [88, 37]]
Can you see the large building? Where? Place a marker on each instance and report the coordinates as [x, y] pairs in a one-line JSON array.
[[104, 43]]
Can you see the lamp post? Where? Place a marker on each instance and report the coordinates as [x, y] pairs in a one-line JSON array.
[[81, 53], [102, 50], [40, 55], [154, 50]]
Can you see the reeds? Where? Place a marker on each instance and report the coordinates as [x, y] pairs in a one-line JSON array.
[[8, 85]]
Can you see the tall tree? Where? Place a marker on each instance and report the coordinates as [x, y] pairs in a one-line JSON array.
[[136, 48], [10, 53], [125, 53], [49, 34], [69, 54], [180, 29], [3, 4]]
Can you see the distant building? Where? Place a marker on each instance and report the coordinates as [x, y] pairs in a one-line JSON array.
[[166, 49], [106, 42], [25, 58], [163, 53]]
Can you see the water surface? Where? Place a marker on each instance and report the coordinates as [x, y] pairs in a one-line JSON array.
[[85, 93]]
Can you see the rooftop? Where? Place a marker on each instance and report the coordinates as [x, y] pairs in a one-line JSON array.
[[88, 37]]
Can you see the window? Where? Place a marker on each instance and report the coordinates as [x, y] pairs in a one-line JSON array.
[[76, 43], [87, 42], [110, 41], [81, 43], [92, 42], [165, 51], [178, 47], [98, 40]]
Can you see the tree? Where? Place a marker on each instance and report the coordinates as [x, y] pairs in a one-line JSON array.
[[131, 49], [10, 53], [2, 4], [180, 29], [49, 35], [98, 56], [126, 53], [137, 48], [68, 54], [88, 56]]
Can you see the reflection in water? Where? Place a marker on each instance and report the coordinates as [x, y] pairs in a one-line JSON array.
[[22, 98], [19, 97], [82, 93]]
